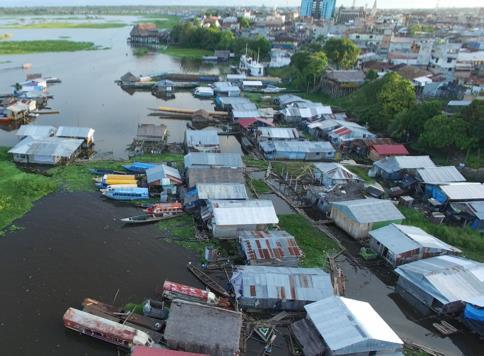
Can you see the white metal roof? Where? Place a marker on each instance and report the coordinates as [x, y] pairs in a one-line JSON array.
[[464, 191], [335, 170], [233, 160], [252, 83], [201, 138], [48, 146], [446, 278], [402, 238], [440, 175], [36, 131], [243, 212], [369, 210], [397, 163], [350, 326], [291, 283], [221, 191], [278, 132], [76, 132], [297, 146], [161, 171]]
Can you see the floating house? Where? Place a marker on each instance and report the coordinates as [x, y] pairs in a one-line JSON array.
[[395, 167], [226, 102], [298, 150], [145, 33], [442, 284], [359, 217], [378, 152], [330, 174], [400, 244], [458, 192], [226, 218], [215, 175], [277, 133], [271, 248], [303, 112], [84, 133], [47, 150], [226, 88], [202, 141], [186, 329], [35, 131], [343, 326], [209, 159], [163, 176], [339, 131], [17, 111], [214, 191], [165, 88], [151, 133], [279, 288]]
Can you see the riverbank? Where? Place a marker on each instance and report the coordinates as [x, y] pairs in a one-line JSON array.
[[24, 47], [181, 52], [57, 25]]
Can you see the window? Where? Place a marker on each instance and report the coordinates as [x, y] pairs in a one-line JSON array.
[[449, 60]]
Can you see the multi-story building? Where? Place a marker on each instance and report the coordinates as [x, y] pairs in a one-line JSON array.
[[318, 9]]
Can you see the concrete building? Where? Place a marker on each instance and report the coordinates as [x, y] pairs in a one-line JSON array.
[[318, 9]]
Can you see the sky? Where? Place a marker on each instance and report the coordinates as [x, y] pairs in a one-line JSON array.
[[381, 3]]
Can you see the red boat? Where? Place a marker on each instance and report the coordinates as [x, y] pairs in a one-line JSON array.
[[172, 290], [165, 208], [106, 330]]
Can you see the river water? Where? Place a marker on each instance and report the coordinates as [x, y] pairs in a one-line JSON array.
[[88, 95]]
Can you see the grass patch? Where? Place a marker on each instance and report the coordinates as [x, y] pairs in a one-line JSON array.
[[469, 241], [140, 51], [294, 169], [362, 172], [259, 186], [181, 52], [58, 24], [260, 99], [313, 242], [254, 162], [19, 190], [22, 47], [181, 231], [162, 22], [134, 307]]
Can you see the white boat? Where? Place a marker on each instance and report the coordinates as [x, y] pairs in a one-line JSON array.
[[203, 92]]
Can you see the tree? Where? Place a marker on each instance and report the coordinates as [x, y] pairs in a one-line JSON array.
[[372, 75], [244, 22], [317, 63], [474, 116], [226, 40], [445, 133], [300, 60], [342, 52]]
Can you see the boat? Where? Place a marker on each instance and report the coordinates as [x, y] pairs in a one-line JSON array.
[[172, 290], [149, 218], [207, 280], [114, 186], [203, 92], [101, 171], [52, 80], [162, 208], [106, 330], [139, 167], [126, 193], [272, 89], [210, 58]]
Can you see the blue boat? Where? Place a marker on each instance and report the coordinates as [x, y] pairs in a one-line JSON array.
[[101, 171], [126, 193], [139, 167]]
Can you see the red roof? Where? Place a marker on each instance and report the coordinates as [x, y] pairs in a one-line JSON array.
[[247, 122], [151, 351], [342, 131], [390, 150]]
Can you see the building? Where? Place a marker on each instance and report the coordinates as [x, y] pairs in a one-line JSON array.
[[226, 88], [209, 159], [225, 102], [380, 151], [442, 284], [163, 175], [277, 133], [202, 141], [330, 174], [458, 192], [400, 244], [343, 326], [35, 131], [47, 150], [216, 175], [272, 248], [359, 217], [145, 33], [395, 167], [298, 150], [151, 133], [432, 177], [214, 191], [318, 9], [84, 133], [304, 111], [186, 329], [279, 288], [338, 83], [285, 100], [226, 218], [339, 131]]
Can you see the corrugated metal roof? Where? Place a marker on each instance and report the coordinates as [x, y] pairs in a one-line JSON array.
[[297, 146], [162, 171], [290, 283], [48, 146], [196, 138], [287, 99], [278, 132], [242, 114], [249, 106], [446, 278], [72, 131], [261, 245], [369, 210], [351, 326], [335, 171], [463, 191], [243, 212], [213, 159], [232, 100], [205, 174], [397, 163], [306, 112], [36, 131], [402, 238], [390, 149], [440, 175], [221, 191]]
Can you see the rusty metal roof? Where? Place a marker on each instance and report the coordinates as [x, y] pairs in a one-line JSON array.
[[260, 245]]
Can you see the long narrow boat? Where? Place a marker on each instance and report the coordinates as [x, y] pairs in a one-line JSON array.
[[163, 208], [139, 167], [207, 280], [102, 171], [149, 218]]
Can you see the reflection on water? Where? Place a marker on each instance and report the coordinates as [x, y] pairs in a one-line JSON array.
[[88, 95]]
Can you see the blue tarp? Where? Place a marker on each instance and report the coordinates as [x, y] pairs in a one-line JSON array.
[[474, 313], [139, 167]]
